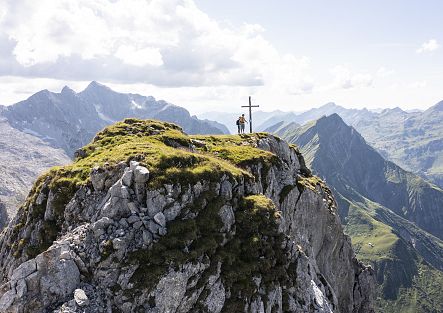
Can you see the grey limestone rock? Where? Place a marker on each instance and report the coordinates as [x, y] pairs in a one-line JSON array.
[[172, 212], [133, 218], [160, 219], [133, 165], [114, 254], [80, 297], [42, 281], [141, 174], [227, 217], [138, 224], [25, 269], [98, 177], [127, 177]]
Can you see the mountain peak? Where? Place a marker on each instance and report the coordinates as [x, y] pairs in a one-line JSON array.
[[42, 93], [329, 105], [334, 119], [94, 85], [333, 126], [393, 110], [67, 90], [398, 109]]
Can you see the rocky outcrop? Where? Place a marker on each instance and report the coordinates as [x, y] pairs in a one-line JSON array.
[[181, 224]]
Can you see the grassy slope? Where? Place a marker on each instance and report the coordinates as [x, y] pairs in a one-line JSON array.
[[372, 240], [424, 294]]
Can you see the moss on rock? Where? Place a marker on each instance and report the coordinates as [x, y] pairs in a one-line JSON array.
[[254, 249]]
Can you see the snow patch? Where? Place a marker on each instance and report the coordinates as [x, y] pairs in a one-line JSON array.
[[135, 105], [102, 115]]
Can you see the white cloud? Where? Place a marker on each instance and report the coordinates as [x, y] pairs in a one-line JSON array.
[[172, 50], [429, 46], [345, 79], [139, 57], [159, 42]]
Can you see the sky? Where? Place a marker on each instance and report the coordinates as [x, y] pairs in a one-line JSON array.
[[211, 55]]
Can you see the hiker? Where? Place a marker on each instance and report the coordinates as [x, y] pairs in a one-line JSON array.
[[238, 124], [242, 121]]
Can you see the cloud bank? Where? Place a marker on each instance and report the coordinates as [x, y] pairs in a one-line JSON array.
[[160, 42], [173, 50]]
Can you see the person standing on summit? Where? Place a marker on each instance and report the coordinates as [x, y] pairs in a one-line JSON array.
[[242, 121]]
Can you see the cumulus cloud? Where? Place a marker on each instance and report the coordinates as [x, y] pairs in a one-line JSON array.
[[429, 46], [345, 79], [159, 42], [139, 57]]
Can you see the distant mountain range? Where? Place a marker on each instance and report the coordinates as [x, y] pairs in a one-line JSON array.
[[228, 118], [47, 128], [69, 120], [413, 140], [394, 217], [354, 115]]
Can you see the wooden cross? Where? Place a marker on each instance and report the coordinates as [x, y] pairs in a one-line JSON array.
[[250, 106]]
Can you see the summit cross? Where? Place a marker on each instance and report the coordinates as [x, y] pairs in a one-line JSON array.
[[250, 106]]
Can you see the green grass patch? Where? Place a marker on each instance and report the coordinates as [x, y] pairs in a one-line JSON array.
[[425, 295], [371, 239]]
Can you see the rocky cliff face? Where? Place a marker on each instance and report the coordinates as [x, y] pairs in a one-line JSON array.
[[152, 220]]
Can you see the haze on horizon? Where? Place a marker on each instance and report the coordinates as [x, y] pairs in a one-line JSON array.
[[211, 55]]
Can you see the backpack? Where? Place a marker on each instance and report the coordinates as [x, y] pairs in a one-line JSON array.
[[238, 122]]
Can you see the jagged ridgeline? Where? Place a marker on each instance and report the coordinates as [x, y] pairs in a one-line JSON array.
[[393, 217], [149, 219]]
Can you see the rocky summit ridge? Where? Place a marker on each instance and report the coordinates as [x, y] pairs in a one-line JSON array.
[[149, 219]]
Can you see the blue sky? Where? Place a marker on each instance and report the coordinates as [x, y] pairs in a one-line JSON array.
[[210, 55], [363, 35]]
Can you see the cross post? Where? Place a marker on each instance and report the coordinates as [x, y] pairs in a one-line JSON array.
[[250, 106]]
